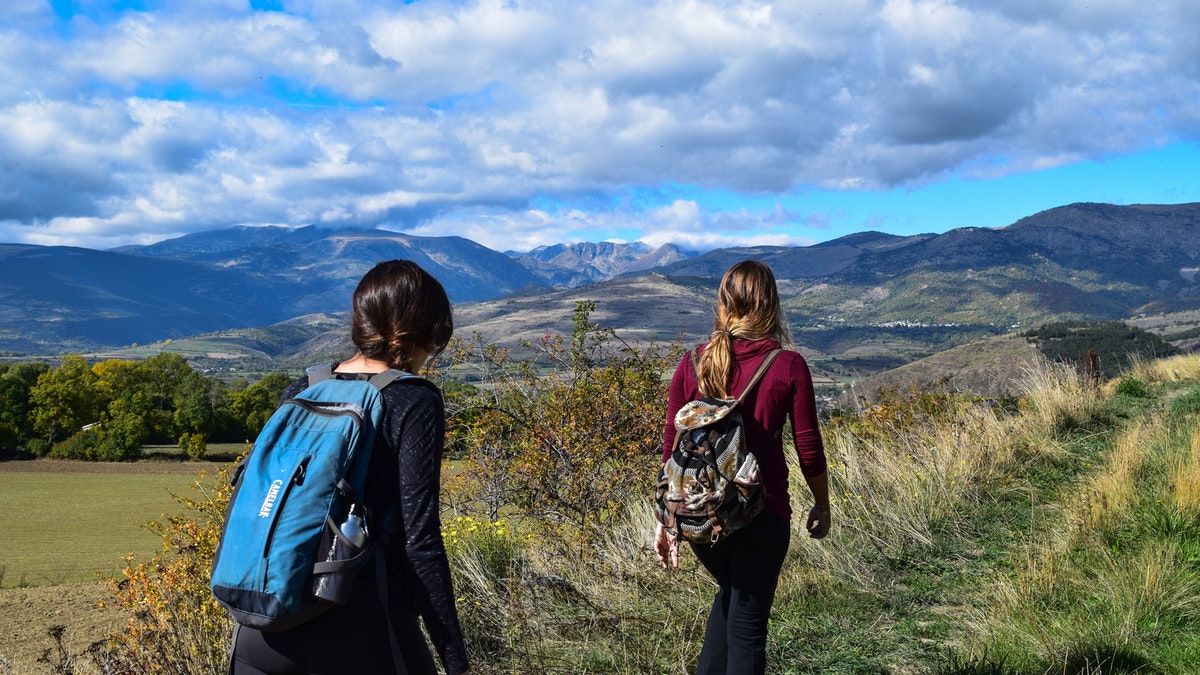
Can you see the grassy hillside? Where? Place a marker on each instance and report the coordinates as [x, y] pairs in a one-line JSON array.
[[990, 367], [1055, 539]]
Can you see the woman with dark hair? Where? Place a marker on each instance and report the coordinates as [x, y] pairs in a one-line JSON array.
[[746, 564], [400, 316]]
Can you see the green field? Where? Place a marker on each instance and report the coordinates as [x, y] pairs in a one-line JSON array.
[[70, 526]]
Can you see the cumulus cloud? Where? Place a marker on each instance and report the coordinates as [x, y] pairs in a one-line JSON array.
[[447, 117]]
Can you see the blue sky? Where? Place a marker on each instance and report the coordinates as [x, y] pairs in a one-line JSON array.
[[518, 123]]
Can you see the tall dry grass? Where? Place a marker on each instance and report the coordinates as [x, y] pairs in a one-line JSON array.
[[525, 609], [1172, 369], [903, 492], [1115, 579], [1056, 398], [1185, 476], [1114, 492]]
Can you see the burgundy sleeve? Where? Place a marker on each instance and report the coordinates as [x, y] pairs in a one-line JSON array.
[[676, 397], [810, 450]]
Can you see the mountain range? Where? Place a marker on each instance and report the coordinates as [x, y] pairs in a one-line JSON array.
[[55, 299], [862, 302]]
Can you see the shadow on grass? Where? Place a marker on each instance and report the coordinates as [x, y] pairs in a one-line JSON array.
[[1082, 660], [956, 664], [1107, 660]]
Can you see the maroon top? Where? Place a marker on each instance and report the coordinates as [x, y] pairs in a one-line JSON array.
[[785, 390]]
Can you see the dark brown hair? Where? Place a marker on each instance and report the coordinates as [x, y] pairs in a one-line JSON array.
[[747, 308], [397, 307]]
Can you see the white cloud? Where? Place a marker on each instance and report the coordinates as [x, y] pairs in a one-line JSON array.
[[454, 117]]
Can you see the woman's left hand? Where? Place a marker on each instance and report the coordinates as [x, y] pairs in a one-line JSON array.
[[818, 522]]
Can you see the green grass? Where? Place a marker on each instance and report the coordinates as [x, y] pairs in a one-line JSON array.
[[70, 527]]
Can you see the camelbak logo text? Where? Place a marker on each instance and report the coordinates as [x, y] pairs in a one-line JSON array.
[[272, 495]]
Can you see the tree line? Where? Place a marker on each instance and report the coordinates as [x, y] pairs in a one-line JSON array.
[[1100, 348], [110, 409]]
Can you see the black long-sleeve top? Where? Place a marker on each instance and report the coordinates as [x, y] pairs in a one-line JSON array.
[[406, 471]]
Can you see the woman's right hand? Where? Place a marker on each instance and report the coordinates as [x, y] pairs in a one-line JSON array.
[[666, 547]]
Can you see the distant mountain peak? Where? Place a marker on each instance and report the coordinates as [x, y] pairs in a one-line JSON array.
[[598, 261]]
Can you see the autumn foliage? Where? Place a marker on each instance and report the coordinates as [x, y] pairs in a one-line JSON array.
[[560, 439]]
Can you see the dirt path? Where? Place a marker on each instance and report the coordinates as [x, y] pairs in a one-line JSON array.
[[26, 614]]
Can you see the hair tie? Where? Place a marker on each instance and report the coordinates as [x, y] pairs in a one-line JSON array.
[[726, 332]]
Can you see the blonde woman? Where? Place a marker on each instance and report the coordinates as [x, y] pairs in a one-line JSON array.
[[746, 565]]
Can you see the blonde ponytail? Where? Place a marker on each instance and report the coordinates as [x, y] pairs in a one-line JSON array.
[[747, 308]]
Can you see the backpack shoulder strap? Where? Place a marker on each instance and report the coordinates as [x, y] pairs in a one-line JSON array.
[[694, 359], [758, 374], [382, 380]]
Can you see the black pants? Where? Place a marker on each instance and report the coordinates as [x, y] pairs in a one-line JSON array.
[[351, 639], [746, 567]]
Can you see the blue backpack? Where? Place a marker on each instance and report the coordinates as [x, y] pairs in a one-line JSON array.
[[295, 531]]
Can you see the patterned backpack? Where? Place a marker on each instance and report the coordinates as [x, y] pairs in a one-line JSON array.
[[711, 486]]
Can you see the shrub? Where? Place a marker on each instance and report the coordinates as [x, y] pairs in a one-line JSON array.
[[9, 438], [193, 445], [563, 437], [99, 445], [38, 447], [1133, 387], [83, 445]]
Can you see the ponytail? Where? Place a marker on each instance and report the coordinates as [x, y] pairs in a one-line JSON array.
[[747, 308]]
